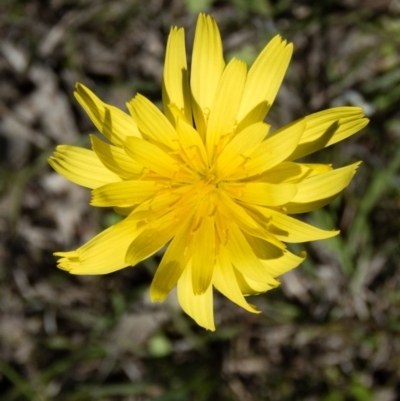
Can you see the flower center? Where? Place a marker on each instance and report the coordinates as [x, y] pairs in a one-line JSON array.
[[206, 184]]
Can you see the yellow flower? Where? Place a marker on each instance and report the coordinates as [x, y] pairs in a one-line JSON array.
[[206, 176]]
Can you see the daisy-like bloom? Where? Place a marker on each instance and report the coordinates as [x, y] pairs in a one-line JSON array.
[[206, 177]]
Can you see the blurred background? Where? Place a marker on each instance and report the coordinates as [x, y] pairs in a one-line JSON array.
[[331, 332]]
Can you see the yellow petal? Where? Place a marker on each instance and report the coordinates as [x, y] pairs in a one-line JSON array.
[[152, 122], [175, 79], [276, 148], [113, 123], [174, 261], [276, 261], [234, 212], [225, 106], [104, 253], [155, 159], [261, 193], [224, 280], [192, 146], [207, 67], [324, 185], [283, 172], [265, 76], [81, 166], [203, 252], [288, 229], [124, 211], [239, 148], [252, 287], [240, 253], [181, 201], [318, 191], [328, 127], [286, 262], [198, 307], [116, 160], [152, 239], [315, 168], [293, 172], [298, 208], [255, 115], [124, 193]]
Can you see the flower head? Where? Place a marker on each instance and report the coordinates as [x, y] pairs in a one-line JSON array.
[[206, 177]]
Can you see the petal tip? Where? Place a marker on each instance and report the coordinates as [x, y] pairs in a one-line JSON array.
[[303, 254]]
